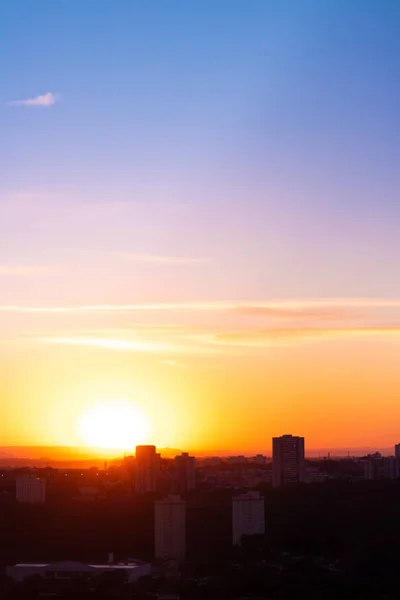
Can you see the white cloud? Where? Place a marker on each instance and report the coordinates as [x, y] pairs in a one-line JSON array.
[[47, 99]]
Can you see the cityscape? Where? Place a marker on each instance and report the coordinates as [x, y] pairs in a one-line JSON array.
[[167, 493]]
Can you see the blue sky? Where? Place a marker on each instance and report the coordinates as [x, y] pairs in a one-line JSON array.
[[266, 90], [277, 121]]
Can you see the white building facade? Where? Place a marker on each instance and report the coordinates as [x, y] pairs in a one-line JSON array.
[[31, 490], [170, 529], [248, 516], [287, 460]]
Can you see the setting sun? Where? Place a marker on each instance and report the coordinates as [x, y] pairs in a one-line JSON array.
[[113, 425]]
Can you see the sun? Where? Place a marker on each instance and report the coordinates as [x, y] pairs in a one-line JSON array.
[[114, 425]]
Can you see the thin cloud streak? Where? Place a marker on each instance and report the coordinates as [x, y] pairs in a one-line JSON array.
[[108, 344], [45, 100], [155, 259], [237, 307], [129, 345], [174, 364], [218, 341], [265, 338]]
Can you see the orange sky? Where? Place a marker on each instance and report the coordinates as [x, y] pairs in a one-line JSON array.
[[214, 377]]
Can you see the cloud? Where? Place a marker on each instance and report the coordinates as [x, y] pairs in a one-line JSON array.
[[175, 364], [108, 344], [23, 270], [299, 312], [272, 337], [281, 307], [162, 260], [129, 344], [46, 100], [212, 341]]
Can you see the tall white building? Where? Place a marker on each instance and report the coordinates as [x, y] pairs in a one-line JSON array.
[[185, 473], [170, 529], [287, 460], [31, 490], [248, 516], [147, 466]]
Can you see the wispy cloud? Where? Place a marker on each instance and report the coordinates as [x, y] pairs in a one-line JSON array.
[[299, 312], [273, 337], [128, 344], [23, 270], [45, 100], [174, 364], [155, 259], [108, 344], [283, 307]]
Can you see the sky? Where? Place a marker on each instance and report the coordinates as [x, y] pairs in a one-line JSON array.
[[200, 217]]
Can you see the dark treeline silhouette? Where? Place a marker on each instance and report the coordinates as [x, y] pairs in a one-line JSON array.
[[353, 526]]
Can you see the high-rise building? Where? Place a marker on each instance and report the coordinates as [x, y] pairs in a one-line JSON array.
[[184, 473], [147, 466], [379, 467], [397, 451], [31, 490], [248, 516], [287, 460], [170, 529]]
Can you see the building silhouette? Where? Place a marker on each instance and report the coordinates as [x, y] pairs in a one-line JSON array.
[[147, 468], [397, 451], [170, 529], [184, 473], [287, 460], [31, 490], [248, 516], [377, 467]]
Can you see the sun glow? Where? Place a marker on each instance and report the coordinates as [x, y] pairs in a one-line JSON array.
[[114, 424]]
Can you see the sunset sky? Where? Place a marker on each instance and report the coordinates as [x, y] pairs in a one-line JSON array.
[[200, 217]]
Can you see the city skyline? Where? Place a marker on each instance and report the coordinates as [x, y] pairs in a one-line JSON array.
[[199, 224]]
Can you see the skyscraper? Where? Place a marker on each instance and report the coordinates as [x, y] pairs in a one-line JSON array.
[[247, 516], [397, 451], [147, 466], [170, 529], [287, 460], [184, 473]]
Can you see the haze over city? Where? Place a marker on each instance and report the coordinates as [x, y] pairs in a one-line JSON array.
[[199, 224]]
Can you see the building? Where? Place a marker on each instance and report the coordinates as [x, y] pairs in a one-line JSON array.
[[377, 467], [397, 451], [31, 490], [248, 516], [170, 529], [74, 570], [260, 459], [184, 473], [287, 460], [147, 468]]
